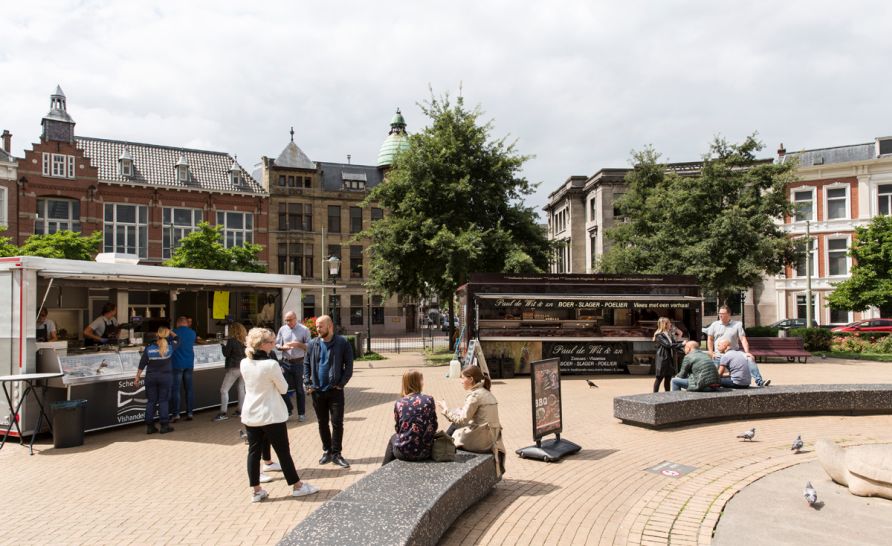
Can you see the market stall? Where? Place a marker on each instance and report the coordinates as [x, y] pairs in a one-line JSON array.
[[145, 297], [592, 323]]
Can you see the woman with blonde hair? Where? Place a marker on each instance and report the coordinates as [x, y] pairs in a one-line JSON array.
[[233, 352], [156, 361], [416, 422], [264, 412], [667, 348]]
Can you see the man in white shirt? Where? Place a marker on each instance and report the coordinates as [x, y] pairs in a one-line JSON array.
[[292, 340]]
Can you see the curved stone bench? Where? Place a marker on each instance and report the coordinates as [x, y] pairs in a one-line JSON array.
[[400, 503], [667, 409]]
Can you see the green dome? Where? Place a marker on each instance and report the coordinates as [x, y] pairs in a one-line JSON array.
[[395, 142]]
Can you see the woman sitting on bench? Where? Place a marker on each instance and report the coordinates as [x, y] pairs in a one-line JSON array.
[[476, 426], [416, 422]]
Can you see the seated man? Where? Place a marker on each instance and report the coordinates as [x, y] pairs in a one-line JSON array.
[[697, 372], [734, 369]]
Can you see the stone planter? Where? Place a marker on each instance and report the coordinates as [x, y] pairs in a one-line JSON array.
[[641, 369]]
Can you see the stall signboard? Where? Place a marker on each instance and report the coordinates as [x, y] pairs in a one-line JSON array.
[[546, 383], [639, 303], [588, 356]]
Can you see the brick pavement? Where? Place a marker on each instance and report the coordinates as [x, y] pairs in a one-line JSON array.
[[190, 487]]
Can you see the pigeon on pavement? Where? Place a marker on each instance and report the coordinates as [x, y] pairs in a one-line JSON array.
[[370, 365], [748, 435], [797, 445], [810, 494], [591, 385]]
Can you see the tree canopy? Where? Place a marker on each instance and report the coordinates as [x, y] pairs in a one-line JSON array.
[[870, 284], [720, 225], [203, 249], [68, 245], [455, 207]]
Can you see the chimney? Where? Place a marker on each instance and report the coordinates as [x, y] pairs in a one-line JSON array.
[[7, 141], [781, 151], [348, 159]]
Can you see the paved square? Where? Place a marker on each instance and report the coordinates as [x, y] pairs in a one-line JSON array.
[[190, 487]]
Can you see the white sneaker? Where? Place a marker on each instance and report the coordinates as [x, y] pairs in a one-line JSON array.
[[272, 467], [305, 489], [258, 496], [265, 479], [301, 418]]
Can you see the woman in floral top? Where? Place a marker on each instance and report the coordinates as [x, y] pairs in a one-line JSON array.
[[416, 422]]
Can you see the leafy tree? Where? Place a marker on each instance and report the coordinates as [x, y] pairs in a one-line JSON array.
[[720, 225], [7, 248], [871, 282], [69, 245], [455, 207], [203, 249]]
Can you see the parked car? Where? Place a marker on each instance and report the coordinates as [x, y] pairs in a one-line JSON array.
[[880, 325], [786, 324]]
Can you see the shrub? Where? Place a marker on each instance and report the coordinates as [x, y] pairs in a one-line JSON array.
[[761, 331], [814, 339]]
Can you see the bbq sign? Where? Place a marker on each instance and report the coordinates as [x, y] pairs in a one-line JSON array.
[[546, 383]]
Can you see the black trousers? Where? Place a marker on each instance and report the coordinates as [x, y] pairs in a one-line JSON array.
[[665, 380], [329, 405], [293, 370], [157, 394], [277, 436]]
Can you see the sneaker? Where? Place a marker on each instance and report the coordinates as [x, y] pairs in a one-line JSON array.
[[166, 428], [265, 478], [305, 489], [272, 467], [188, 416], [150, 429], [301, 418], [174, 418], [765, 384], [221, 417], [258, 496]]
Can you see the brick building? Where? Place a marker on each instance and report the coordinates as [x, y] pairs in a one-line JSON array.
[[8, 169], [143, 197]]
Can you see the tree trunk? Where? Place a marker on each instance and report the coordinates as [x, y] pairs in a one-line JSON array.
[[451, 323]]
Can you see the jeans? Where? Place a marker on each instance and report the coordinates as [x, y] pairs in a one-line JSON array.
[[392, 453], [183, 376], [679, 383], [727, 382], [330, 404], [157, 393], [277, 436], [754, 371], [232, 375], [293, 370]]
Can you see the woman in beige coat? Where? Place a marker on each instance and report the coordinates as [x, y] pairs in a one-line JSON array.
[[476, 426]]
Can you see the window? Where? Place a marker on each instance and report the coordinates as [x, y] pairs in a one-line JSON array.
[[593, 248], [335, 250], [592, 209], [57, 215], [183, 173], [355, 310], [355, 219], [126, 229], [295, 217], [58, 165], [282, 180], [803, 202], [355, 261], [238, 228], [884, 199], [295, 259], [3, 202], [800, 269], [377, 310], [377, 214], [840, 316], [308, 182], [309, 306], [290, 181], [837, 203], [801, 309], [176, 223], [334, 218], [837, 261], [126, 167], [561, 219]]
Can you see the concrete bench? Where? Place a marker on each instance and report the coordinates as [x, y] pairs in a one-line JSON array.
[[400, 503], [790, 348], [667, 409]]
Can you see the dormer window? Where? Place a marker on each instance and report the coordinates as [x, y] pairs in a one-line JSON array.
[[354, 181], [125, 164], [235, 174], [182, 167]]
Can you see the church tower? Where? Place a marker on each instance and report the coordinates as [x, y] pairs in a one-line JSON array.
[[57, 124]]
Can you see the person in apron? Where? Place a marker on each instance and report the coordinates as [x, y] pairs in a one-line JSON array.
[[46, 329], [104, 328]]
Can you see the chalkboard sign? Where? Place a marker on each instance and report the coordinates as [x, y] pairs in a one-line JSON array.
[[546, 380]]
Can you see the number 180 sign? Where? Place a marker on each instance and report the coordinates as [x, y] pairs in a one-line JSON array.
[[546, 379]]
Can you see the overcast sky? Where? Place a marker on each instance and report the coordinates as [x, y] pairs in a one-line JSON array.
[[578, 84]]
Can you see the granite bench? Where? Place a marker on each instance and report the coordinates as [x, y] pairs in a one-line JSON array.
[[399, 503], [667, 409]]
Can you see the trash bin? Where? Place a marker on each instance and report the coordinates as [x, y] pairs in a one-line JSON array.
[[68, 423]]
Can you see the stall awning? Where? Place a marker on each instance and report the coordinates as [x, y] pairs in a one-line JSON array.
[[589, 297]]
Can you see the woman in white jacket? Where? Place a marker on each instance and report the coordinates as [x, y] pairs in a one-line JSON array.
[[264, 413]]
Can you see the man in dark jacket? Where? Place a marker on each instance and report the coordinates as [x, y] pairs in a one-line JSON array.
[[698, 372], [328, 367]]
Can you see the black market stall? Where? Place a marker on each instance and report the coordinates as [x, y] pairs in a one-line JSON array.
[[594, 324], [145, 297]]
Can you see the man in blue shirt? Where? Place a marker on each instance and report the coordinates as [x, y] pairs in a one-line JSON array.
[[328, 367], [182, 362]]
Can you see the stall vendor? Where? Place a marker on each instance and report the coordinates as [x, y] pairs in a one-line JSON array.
[[46, 329], [104, 328]]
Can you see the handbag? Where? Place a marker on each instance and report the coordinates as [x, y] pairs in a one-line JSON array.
[[443, 450]]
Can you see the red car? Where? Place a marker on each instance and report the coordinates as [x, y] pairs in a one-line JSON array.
[[882, 325]]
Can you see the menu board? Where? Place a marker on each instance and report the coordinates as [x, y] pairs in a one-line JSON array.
[[546, 390]]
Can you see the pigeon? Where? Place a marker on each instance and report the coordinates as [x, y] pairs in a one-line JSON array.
[[797, 445], [810, 494], [748, 435], [591, 385], [370, 365]]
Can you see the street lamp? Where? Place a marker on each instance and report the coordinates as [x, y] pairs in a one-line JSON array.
[[333, 263]]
